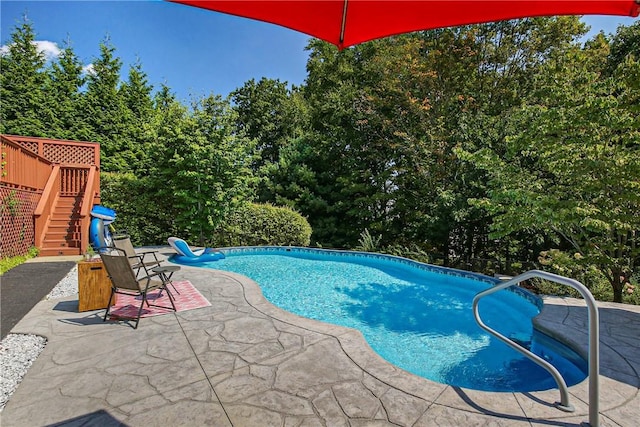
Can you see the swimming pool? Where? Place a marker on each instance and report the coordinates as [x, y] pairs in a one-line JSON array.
[[416, 316]]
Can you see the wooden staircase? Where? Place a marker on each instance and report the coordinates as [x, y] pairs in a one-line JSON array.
[[57, 183], [63, 234]]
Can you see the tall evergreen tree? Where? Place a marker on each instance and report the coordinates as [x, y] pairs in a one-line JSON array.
[[273, 116], [138, 130], [21, 84], [62, 96], [105, 111]]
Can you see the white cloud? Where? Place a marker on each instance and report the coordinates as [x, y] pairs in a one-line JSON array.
[[50, 50], [88, 69]]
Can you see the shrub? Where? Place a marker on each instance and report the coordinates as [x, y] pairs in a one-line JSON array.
[[565, 264], [263, 225], [139, 213], [368, 243], [631, 293], [7, 264], [413, 252]]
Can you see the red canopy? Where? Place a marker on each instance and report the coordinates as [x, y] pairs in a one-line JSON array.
[[348, 22]]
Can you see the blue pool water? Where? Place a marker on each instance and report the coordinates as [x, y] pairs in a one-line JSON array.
[[411, 314]]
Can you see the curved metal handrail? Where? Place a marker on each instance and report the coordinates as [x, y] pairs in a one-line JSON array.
[[594, 339]]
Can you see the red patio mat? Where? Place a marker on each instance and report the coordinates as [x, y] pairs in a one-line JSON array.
[[186, 298]]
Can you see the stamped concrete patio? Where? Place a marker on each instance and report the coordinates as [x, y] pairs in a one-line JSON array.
[[244, 362]]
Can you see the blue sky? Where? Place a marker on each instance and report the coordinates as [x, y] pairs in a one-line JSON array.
[[194, 51]]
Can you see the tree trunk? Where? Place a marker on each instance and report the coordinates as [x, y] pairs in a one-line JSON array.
[[617, 283]]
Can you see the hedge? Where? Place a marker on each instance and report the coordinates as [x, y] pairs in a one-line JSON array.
[[263, 225]]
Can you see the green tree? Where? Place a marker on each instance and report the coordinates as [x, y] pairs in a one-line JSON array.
[[479, 73], [105, 111], [265, 113], [202, 167], [140, 213], [625, 44], [570, 165], [62, 96], [387, 115], [332, 91], [273, 116], [21, 84], [138, 131], [144, 201]]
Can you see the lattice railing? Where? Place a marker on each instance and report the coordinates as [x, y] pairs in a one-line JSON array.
[[69, 154], [61, 151], [16, 220]]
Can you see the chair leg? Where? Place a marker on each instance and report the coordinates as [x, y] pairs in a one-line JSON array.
[[108, 305], [164, 287], [171, 297], [144, 298], [173, 286], [166, 278]]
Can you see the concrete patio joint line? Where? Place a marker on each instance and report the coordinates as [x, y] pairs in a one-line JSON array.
[[213, 389]]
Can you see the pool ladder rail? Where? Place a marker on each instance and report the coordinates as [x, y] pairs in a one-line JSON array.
[[594, 340]]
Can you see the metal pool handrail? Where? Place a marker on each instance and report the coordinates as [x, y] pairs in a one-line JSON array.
[[594, 340]]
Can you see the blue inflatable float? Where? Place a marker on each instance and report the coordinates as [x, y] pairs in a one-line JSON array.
[[99, 232], [185, 255]]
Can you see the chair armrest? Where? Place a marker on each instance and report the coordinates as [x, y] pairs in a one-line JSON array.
[[149, 276], [137, 258], [145, 253], [166, 269]]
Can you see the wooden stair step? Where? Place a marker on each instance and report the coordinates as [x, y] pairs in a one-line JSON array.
[[56, 243], [60, 227], [55, 238], [63, 235], [58, 232], [65, 204], [62, 230], [64, 217], [63, 226], [69, 227], [58, 251], [59, 241]]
